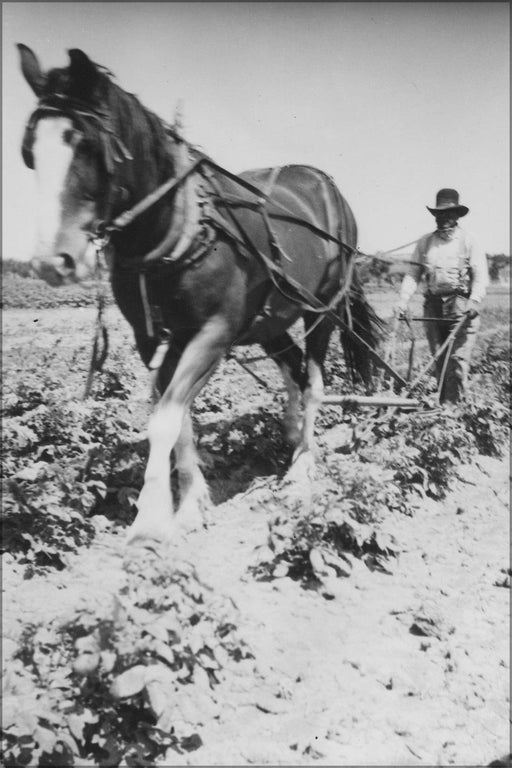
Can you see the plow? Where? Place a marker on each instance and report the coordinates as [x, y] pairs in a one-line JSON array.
[[390, 379]]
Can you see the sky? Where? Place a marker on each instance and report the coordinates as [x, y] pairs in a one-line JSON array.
[[393, 100]]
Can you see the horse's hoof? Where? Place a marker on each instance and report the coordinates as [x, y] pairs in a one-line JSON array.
[[190, 517], [194, 511], [293, 436], [302, 469], [151, 535]]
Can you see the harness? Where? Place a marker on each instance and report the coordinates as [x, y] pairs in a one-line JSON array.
[[202, 223], [225, 224]]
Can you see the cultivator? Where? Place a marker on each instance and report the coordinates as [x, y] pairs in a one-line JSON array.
[[416, 384], [389, 381]]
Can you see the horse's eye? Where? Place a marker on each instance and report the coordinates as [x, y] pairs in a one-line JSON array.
[[73, 137]]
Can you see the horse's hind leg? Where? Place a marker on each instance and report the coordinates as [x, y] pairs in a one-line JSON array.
[[317, 341], [289, 358]]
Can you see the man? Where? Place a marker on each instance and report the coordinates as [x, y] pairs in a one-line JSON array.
[[456, 275]]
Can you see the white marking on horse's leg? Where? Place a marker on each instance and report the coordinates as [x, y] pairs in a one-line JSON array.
[[155, 509], [199, 359], [194, 494], [292, 420], [313, 396], [154, 392]]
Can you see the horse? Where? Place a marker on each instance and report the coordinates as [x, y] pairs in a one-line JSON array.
[[201, 260]]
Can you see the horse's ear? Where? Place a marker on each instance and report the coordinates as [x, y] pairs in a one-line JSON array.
[[84, 72], [31, 69]]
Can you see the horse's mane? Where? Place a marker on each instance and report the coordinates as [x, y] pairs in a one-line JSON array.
[[144, 133], [136, 124]]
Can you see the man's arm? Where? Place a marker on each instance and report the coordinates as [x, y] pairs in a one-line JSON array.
[[479, 278], [479, 272], [412, 278]]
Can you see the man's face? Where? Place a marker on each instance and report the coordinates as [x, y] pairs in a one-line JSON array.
[[446, 219]]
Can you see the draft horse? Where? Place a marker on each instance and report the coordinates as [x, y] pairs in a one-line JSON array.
[[202, 260]]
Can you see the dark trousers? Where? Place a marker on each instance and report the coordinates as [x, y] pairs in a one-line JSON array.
[[452, 372]]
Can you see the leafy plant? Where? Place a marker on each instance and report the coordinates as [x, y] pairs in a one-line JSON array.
[[389, 461], [422, 448], [123, 682], [316, 541], [64, 461], [489, 423]]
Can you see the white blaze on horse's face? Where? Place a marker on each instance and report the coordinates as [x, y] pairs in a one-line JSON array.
[[64, 212]]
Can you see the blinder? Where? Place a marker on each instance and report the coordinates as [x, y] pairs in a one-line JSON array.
[[27, 144], [111, 149]]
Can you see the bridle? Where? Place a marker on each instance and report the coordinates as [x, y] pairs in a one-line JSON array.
[[93, 124], [86, 119]]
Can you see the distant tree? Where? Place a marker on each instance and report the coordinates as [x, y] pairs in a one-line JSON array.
[[382, 269], [379, 268], [15, 267], [396, 272], [497, 262]]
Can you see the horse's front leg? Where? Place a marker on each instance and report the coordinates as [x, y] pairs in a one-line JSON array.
[[155, 520]]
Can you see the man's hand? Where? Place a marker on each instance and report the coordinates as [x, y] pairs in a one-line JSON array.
[[400, 310], [472, 309]]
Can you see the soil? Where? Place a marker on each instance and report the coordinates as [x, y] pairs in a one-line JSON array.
[[409, 667]]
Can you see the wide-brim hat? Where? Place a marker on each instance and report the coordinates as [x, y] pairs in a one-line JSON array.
[[446, 200]]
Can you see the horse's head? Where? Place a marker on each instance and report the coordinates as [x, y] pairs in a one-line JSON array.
[[69, 145]]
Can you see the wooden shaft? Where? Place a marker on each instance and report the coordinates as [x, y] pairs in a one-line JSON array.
[[375, 400]]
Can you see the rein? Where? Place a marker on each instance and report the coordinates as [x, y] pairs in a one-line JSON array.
[[100, 344], [127, 217], [114, 152], [201, 220], [300, 295], [219, 222]]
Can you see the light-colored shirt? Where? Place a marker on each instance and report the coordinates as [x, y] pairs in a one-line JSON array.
[[450, 262]]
